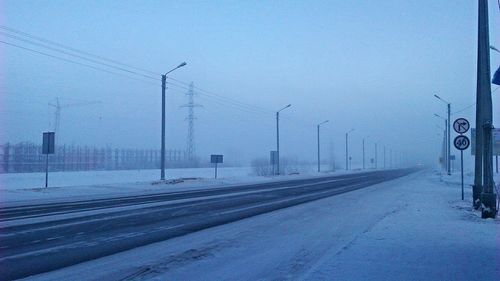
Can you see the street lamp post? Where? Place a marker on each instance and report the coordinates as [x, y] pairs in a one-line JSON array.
[[364, 151], [278, 138], [384, 157], [319, 158], [448, 106], [445, 150], [347, 149], [163, 88]]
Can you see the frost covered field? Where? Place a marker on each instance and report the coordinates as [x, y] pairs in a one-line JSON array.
[[93, 184], [412, 228]]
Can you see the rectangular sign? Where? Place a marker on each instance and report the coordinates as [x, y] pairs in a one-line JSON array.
[[496, 141], [216, 158], [48, 145]]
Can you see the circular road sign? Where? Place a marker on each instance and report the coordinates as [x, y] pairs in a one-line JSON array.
[[461, 125], [461, 142]]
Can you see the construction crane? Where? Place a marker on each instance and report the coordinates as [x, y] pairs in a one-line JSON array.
[[58, 106]]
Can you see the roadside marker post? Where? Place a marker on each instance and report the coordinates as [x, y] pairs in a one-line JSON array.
[[461, 142]]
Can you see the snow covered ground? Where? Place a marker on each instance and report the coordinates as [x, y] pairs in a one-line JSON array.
[[412, 228], [26, 188]]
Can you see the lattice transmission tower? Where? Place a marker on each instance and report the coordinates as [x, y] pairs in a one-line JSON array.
[[190, 144]]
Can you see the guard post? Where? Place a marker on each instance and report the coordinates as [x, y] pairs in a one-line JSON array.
[[48, 148]]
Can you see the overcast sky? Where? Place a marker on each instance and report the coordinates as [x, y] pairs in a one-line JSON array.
[[369, 65]]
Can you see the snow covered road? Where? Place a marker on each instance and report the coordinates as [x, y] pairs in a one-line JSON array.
[[412, 228], [46, 237]]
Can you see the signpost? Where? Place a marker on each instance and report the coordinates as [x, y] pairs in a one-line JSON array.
[[216, 159], [48, 147], [461, 142]]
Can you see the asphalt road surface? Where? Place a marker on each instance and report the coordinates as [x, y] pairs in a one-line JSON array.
[[41, 238]]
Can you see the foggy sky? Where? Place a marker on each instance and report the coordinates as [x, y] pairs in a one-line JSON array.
[[369, 65]]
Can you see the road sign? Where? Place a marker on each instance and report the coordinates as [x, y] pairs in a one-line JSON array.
[[48, 143], [48, 147], [215, 158], [461, 142], [461, 125]]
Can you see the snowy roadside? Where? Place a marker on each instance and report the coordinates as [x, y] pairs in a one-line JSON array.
[[412, 228], [22, 189]]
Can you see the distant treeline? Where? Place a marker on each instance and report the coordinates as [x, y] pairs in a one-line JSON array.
[[26, 157]]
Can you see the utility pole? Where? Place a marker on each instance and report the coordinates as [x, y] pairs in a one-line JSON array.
[[484, 110], [347, 149], [384, 157], [319, 158], [364, 151], [448, 125], [162, 158], [449, 140], [278, 138], [163, 88]]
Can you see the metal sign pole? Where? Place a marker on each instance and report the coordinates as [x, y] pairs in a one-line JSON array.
[[215, 170], [462, 168], [46, 170]]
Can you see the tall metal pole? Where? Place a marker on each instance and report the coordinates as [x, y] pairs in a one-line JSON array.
[[346, 151], [319, 169], [449, 141], [46, 170], [278, 137], [363, 153], [163, 86], [319, 157], [278, 142], [384, 157], [376, 156], [488, 196], [462, 170], [445, 144]]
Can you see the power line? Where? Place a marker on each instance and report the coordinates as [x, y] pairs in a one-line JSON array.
[[76, 56], [74, 49], [70, 51], [209, 93], [74, 62]]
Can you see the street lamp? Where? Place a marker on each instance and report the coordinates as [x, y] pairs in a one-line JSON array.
[[319, 169], [384, 157], [347, 149], [163, 87], [364, 151], [278, 137], [448, 105], [376, 155], [445, 154]]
